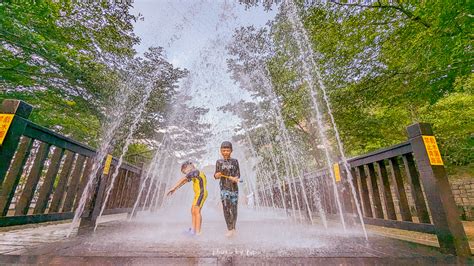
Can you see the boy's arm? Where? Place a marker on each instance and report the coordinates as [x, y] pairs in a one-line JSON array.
[[237, 174], [236, 177], [217, 174], [180, 183]]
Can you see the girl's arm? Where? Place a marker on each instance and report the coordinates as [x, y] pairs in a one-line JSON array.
[[180, 183]]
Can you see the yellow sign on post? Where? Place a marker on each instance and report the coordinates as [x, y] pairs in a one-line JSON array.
[[432, 150], [108, 162], [5, 122], [337, 172]]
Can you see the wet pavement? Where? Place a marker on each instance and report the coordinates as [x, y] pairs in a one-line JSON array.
[[263, 238]]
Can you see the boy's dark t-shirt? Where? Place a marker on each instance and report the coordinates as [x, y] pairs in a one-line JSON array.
[[228, 167]]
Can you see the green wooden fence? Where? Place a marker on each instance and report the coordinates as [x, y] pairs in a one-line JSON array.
[[43, 175], [380, 179]]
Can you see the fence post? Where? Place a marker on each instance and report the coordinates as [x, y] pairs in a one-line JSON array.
[[449, 229], [88, 223], [21, 111], [136, 192]]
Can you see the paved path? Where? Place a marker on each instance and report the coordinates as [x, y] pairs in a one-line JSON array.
[[159, 239]]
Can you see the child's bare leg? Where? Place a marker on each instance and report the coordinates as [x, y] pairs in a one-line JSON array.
[[193, 217], [197, 219]]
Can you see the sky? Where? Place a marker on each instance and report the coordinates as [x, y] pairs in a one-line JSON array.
[[194, 34]]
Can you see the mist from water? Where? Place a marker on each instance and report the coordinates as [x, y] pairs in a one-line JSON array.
[[171, 214]]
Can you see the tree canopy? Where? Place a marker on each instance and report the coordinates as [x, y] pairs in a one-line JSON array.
[[74, 61], [385, 66]]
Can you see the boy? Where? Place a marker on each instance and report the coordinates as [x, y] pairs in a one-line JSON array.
[[228, 171], [200, 193]]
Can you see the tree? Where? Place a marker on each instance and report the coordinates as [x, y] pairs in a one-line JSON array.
[[386, 65], [74, 61], [268, 125], [389, 65], [64, 54]]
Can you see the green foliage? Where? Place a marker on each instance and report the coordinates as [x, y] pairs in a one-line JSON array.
[[65, 115], [274, 89], [452, 118], [74, 62], [64, 44], [57, 56], [138, 153], [392, 65], [295, 99], [385, 65]]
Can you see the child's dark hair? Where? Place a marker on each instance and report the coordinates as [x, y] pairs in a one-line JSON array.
[[226, 144], [185, 164]]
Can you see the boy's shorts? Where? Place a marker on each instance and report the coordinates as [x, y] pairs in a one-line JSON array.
[[199, 199], [232, 196]]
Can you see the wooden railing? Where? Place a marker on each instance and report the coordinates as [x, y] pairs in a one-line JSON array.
[[382, 180], [43, 174]]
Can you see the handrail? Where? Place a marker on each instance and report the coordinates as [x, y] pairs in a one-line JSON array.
[[46, 135], [382, 154]]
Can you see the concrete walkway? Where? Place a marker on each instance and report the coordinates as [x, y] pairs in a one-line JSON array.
[[159, 239]]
